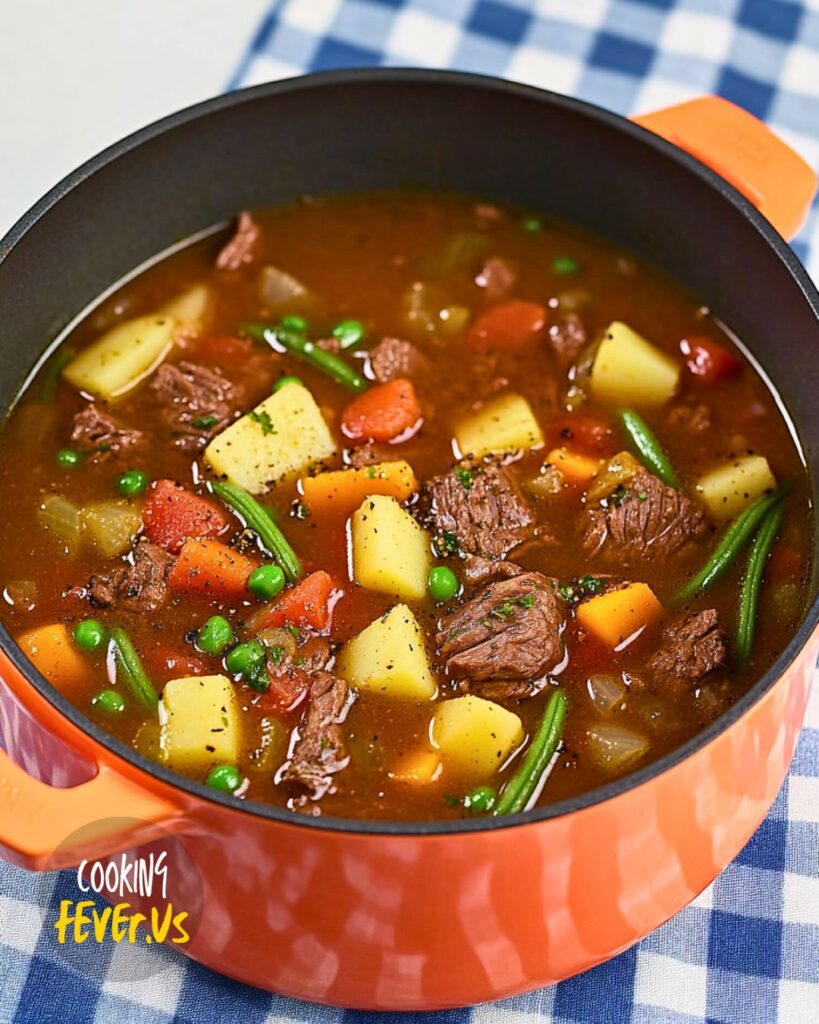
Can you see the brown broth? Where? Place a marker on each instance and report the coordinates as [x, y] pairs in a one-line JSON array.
[[359, 255]]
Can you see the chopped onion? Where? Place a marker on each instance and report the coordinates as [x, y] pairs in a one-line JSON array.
[[614, 747], [786, 597], [277, 637], [461, 251], [420, 308], [454, 319], [606, 692], [21, 594], [574, 299], [548, 481], [620, 468], [62, 518], [111, 525], [277, 286], [148, 740], [658, 714], [272, 748]]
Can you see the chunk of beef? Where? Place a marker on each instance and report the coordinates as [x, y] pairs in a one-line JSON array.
[[320, 751], [509, 630], [196, 402], [239, 250], [139, 586], [479, 505], [393, 358], [645, 521], [567, 336], [510, 689], [690, 647], [100, 433], [368, 455], [497, 278], [477, 569]]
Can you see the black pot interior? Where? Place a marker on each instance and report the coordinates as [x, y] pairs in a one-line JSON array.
[[354, 131]]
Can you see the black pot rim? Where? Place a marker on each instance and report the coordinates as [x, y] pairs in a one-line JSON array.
[[442, 79]]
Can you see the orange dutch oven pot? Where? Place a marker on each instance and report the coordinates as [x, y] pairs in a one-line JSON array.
[[369, 914]]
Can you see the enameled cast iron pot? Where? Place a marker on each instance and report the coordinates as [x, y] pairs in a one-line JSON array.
[[420, 916]]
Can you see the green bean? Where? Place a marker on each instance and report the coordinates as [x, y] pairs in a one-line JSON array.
[[752, 582], [648, 447], [525, 781], [297, 344], [731, 543], [52, 375], [258, 519], [135, 675]]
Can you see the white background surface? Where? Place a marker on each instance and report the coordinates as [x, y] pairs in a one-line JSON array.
[[76, 75]]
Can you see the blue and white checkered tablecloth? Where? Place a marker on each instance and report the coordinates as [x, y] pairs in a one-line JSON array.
[[746, 951]]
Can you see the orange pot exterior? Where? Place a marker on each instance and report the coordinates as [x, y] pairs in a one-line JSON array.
[[414, 922], [424, 921]]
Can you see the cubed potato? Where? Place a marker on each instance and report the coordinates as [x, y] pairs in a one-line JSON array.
[[474, 735], [191, 309], [630, 370], [281, 437], [506, 424], [390, 550], [390, 657], [111, 525], [200, 722], [730, 489], [122, 357]]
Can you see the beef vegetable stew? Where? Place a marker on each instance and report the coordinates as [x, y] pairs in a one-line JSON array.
[[403, 507]]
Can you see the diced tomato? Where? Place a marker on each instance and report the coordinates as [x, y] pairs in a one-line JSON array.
[[587, 433], [707, 360], [224, 348], [172, 514], [310, 603], [209, 567], [389, 412], [286, 692], [164, 663], [510, 325], [783, 563]]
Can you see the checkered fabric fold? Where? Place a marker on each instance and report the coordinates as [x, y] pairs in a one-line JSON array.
[[746, 951]]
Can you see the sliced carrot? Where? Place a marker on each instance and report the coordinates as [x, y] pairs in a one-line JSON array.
[[385, 413], [206, 566], [309, 603], [783, 563], [341, 491], [172, 514], [615, 618], [510, 325], [286, 691], [420, 768], [589, 434], [54, 654], [574, 467]]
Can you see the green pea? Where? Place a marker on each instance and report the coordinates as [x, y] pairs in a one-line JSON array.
[[246, 660], [565, 266], [266, 581], [225, 778], [90, 634], [132, 482], [215, 635], [284, 381], [349, 333], [532, 225], [292, 322], [481, 799], [442, 583], [67, 457], [109, 701]]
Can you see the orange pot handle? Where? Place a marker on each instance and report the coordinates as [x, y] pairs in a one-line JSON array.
[[745, 152], [42, 826]]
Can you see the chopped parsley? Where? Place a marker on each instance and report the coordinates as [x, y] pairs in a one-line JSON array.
[[300, 510], [371, 472], [585, 586], [451, 801], [204, 422], [276, 653], [619, 495], [446, 543], [264, 421], [466, 477], [506, 609]]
